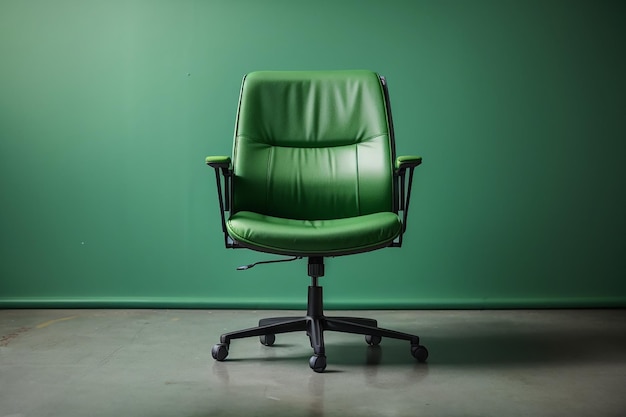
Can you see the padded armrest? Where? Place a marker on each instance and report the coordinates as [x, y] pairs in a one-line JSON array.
[[219, 161], [408, 161]]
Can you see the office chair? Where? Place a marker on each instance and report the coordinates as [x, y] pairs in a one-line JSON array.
[[314, 174]]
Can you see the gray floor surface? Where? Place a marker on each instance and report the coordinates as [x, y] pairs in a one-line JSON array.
[[157, 363]]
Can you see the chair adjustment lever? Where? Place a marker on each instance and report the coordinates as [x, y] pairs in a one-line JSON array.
[[244, 267]]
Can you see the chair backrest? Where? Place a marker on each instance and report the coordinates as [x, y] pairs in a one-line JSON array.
[[313, 145]]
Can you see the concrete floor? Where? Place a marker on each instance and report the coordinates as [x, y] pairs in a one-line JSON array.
[[158, 363]]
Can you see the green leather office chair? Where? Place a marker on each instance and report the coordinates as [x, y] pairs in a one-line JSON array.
[[314, 174]]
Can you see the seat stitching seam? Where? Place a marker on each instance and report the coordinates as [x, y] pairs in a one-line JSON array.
[[267, 178], [358, 180], [325, 146]]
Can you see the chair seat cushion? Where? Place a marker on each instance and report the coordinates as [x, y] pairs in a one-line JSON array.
[[314, 237]]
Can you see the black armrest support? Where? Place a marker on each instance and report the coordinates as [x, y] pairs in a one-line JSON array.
[[404, 165], [223, 169]]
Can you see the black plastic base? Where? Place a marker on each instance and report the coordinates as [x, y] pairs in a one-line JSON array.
[[315, 323]]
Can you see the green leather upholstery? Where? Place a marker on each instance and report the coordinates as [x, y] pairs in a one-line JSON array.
[[314, 237], [220, 161], [313, 164], [407, 161]]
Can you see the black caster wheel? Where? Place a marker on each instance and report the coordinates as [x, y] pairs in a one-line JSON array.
[[373, 340], [219, 351], [267, 339], [318, 363], [420, 353]]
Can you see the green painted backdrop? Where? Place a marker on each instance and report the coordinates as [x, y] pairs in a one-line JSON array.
[[108, 108]]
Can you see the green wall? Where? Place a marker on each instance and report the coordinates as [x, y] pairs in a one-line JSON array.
[[108, 108]]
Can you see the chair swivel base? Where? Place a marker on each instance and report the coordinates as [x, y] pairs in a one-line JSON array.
[[314, 324]]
